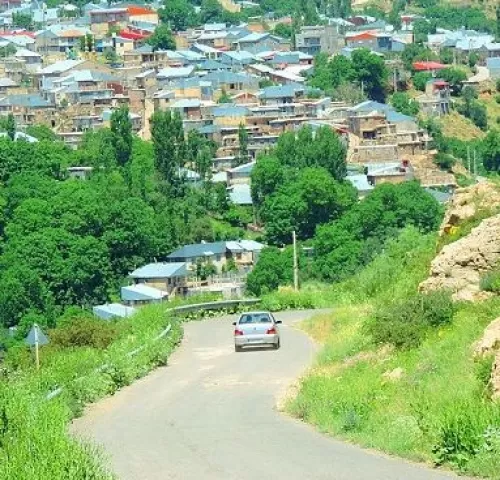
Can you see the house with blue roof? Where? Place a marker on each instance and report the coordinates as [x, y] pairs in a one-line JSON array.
[[241, 252], [240, 174], [232, 83], [238, 58], [27, 109], [280, 94], [168, 277], [261, 42], [142, 294]]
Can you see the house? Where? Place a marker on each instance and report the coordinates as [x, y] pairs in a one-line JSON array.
[[29, 109], [242, 253], [111, 311], [170, 73], [389, 173], [312, 40], [282, 94], [436, 100], [84, 87], [360, 183], [101, 20], [260, 42], [58, 39], [232, 83], [7, 84], [493, 66], [32, 60], [188, 108], [80, 173], [240, 174], [432, 67], [168, 277], [238, 59], [240, 194], [141, 294]]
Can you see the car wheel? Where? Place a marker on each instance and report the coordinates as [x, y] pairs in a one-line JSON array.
[[277, 345], [237, 349]]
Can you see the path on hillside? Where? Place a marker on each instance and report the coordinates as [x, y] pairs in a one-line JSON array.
[[211, 415]]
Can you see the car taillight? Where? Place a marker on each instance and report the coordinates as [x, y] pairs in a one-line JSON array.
[[271, 331], [237, 332]]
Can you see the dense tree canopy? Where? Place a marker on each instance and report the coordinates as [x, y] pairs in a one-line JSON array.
[[364, 69]]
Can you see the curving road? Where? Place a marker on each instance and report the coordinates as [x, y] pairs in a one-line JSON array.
[[211, 415]]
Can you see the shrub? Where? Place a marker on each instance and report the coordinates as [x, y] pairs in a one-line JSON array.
[[464, 432], [491, 281], [405, 324], [445, 161], [86, 332]]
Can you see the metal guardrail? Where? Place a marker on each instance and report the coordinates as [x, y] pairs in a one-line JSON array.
[[219, 305], [176, 310]]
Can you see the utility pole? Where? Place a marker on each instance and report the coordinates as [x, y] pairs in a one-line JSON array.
[[295, 263], [475, 165], [468, 159], [37, 353], [395, 82]]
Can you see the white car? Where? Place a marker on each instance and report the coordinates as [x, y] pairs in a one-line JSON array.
[[256, 328]]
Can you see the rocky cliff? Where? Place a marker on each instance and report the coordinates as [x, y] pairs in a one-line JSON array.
[[460, 265]]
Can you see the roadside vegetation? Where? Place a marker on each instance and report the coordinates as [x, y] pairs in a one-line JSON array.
[[397, 371]]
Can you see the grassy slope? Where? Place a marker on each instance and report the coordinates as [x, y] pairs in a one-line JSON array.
[[346, 394]]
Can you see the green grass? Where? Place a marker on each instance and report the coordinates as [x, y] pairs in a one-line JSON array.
[[437, 409], [33, 432]]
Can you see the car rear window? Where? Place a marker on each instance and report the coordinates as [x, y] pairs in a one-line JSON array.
[[255, 318]]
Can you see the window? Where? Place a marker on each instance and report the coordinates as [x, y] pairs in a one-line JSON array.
[[250, 318]]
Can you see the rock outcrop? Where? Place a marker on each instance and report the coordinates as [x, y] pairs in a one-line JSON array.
[[490, 345], [460, 265], [469, 201]]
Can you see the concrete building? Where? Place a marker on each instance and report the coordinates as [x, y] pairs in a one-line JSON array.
[[315, 39]]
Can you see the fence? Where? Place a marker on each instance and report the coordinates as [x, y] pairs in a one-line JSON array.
[[179, 311]]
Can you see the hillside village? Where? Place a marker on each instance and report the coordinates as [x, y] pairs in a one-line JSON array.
[[239, 86]]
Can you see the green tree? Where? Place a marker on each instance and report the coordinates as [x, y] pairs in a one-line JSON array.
[[343, 246], [22, 20], [178, 14], [312, 199], [168, 142], [490, 151], [267, 176], [446, 56], [242, 156], [121, 130], [21, 291], [224, 98], [371, 73], [274, 268], [162, 38], [420, 80], [11, 127], [283, 30], [454, 76], [41, 132], [402, 102]]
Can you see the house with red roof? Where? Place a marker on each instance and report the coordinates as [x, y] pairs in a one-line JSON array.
[[431, 67], [101, 20]]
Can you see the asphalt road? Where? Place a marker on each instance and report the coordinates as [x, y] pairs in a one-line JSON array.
[[211, 415]]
